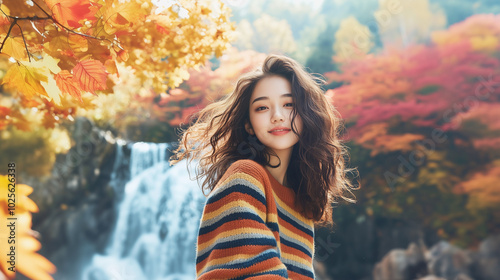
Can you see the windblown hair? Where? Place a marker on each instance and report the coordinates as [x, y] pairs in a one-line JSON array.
[[317, 169]]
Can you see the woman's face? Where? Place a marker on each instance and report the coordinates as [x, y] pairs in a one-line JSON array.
[[271, 106]]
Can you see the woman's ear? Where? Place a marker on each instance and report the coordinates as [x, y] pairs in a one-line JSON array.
[[248, 128]]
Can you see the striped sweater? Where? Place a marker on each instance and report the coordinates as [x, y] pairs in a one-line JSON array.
[[250, 229]]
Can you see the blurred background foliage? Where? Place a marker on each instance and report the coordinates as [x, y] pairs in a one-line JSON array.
[[417, 83]]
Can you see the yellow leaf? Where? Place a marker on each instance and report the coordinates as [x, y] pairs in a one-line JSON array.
[[121, 15], [57, 43], [48, 62], [14, 47], [52, 89], [26, 80], [78, 43]]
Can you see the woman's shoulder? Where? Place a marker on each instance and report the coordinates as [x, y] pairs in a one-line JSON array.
[[244, 169], [242, 176], [247, 166]]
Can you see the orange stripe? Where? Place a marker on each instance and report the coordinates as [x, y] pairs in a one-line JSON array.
[[295, 252], [297, 276], [231, 273], [295, 230], [223, 253]]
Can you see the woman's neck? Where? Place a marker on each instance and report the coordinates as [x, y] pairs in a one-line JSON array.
[[280, 171]]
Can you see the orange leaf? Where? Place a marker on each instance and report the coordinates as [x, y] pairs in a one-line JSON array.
[[64, 81], [70, 12], [34, 265], [123, 55], [111, 67], [91, 75]]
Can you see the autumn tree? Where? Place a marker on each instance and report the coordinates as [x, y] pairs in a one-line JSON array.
[[352, 39], [424, 119], [59, 54]]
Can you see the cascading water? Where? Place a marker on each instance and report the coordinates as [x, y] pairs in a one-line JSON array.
[[158, 218]]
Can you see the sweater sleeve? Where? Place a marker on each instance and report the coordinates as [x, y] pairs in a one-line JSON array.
[[234, 241]]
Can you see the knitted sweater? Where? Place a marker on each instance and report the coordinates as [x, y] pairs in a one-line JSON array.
[[250, 229]]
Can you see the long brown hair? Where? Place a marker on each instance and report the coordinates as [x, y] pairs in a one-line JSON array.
[[317, 170]]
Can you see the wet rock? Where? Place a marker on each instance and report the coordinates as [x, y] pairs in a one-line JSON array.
[[487, 260], [448, 261], [431, 277], [401, 264], [462, 276]]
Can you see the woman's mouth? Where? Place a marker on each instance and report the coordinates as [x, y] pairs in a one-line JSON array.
[[280, 132]]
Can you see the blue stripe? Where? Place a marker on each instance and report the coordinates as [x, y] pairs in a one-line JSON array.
[[294, 223], [273, 226], [281, 272], [299, 270], [229, 218], [296, 246], [235, 189], [238, 243]]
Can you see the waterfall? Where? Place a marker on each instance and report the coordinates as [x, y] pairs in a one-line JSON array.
[[158, 219]]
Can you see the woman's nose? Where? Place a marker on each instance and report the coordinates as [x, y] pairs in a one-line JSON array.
[[277, 116]]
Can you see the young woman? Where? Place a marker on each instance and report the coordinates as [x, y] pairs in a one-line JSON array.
[[274, 165]]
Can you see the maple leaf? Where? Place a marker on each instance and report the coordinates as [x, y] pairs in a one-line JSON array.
[[70, 12], [64, 81], [90, 75]]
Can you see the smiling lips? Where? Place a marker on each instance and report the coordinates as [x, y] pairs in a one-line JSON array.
[[280, 130]]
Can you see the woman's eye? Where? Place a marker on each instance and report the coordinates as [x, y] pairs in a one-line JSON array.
[[258, 108]]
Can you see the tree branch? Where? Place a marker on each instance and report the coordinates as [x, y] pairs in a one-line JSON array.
[[35, 17], [41, 9], [66, 28], [49, 17], [24, 40], [7, 35]]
